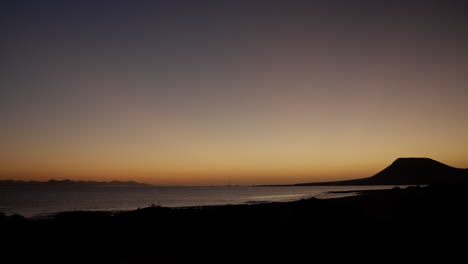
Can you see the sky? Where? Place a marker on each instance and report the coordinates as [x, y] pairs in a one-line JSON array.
[[230, 92]]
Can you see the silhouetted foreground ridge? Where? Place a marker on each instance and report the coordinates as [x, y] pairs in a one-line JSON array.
[[409, 171], [415, 224]]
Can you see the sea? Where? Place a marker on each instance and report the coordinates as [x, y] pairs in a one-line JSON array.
[[34, 202]]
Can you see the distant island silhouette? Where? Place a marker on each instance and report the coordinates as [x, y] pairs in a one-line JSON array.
[[400, 225], [70, 183], [411, 225], [407, 171]]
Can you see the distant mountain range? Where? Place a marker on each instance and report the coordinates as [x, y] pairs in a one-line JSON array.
[[408, 171], [403, 171], [70, 183]]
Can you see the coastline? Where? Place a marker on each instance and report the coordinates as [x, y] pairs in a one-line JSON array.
[[410, 220], [37, 201]]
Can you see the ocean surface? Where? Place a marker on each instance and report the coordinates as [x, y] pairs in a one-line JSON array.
[[41, 201]]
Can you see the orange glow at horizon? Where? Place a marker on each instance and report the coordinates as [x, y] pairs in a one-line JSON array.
[[221, 169], [288, 139], [214, 95]]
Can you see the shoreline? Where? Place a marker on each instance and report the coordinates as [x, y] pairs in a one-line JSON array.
[[413, 223], [110, 212], [126, 199]]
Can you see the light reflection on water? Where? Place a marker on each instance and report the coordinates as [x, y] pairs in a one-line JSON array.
[[38, 201]]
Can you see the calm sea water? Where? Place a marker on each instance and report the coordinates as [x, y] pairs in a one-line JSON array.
[[31, 202]]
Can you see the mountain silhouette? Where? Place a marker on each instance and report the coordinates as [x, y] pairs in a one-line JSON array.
[[70, 183], [409, 171]]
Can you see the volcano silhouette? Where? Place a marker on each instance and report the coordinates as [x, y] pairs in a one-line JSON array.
[[409, 171]]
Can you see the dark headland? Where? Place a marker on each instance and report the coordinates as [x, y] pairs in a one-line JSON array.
[[407, 171], [401, 225]]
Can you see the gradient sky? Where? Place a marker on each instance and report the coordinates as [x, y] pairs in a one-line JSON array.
[[204, 92]]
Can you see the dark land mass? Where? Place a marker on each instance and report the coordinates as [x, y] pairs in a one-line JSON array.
[[410, 225], [70, 183], [407, 171]]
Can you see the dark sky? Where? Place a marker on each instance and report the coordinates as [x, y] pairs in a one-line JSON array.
[[187, 92]]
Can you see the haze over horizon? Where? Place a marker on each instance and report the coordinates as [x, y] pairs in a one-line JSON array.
[[208, 93]]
